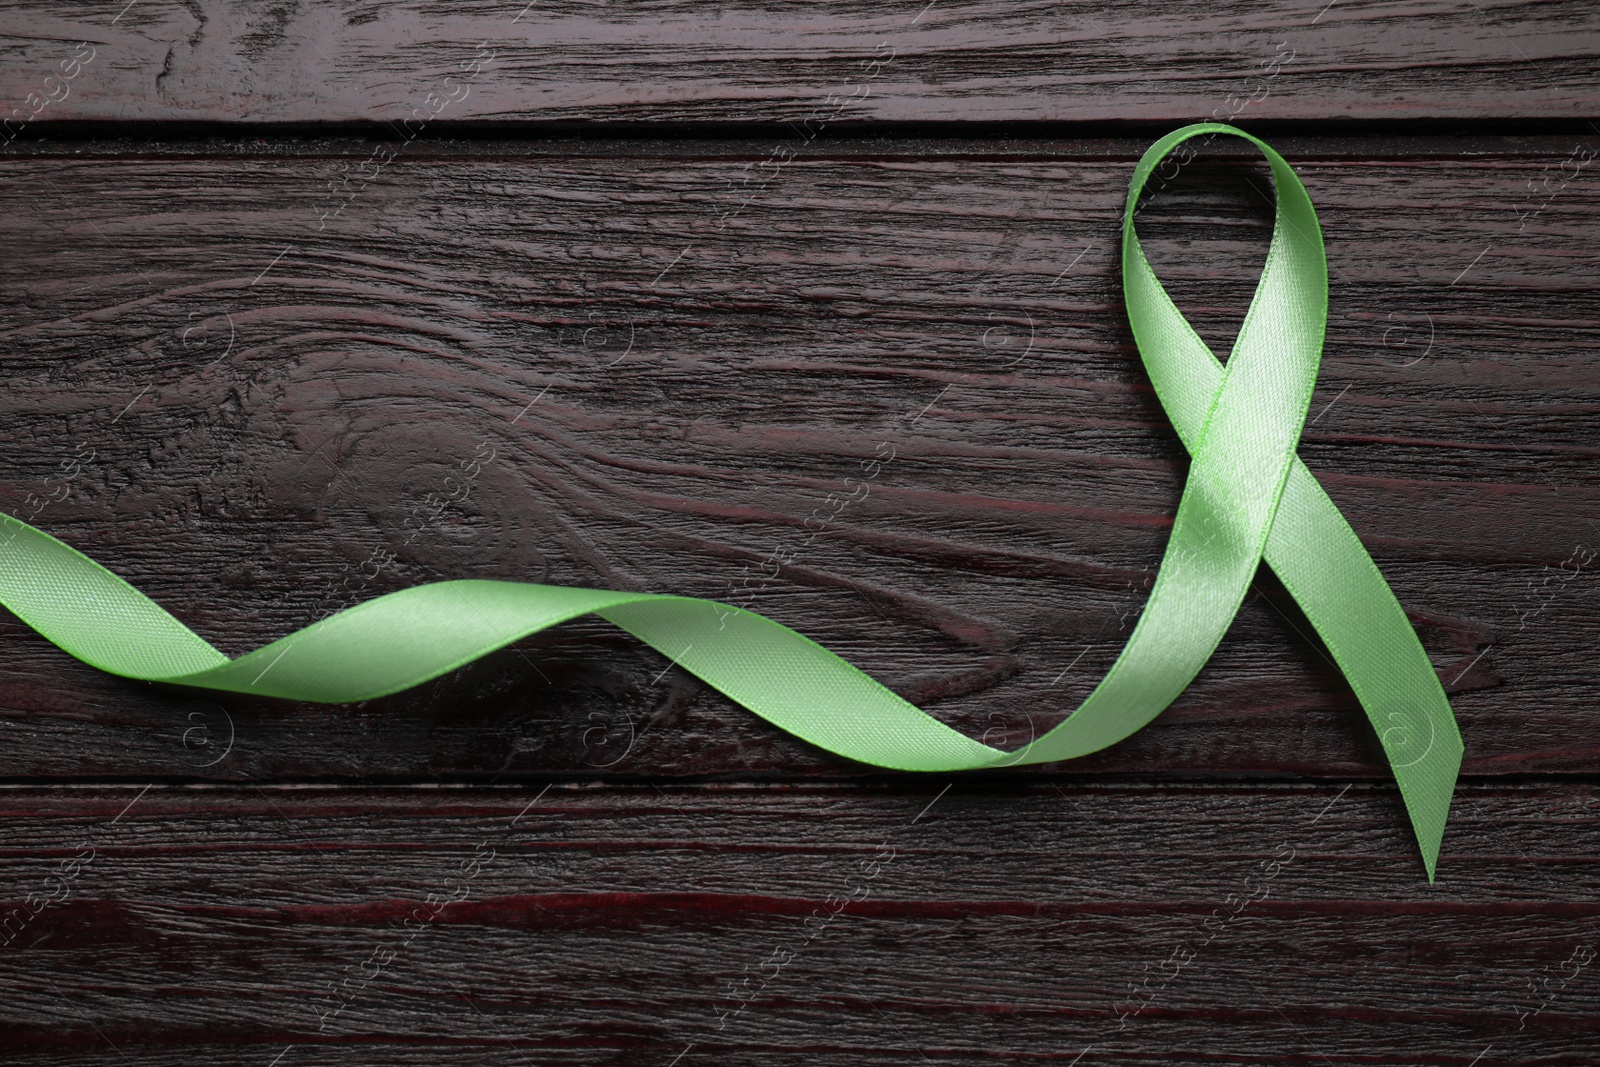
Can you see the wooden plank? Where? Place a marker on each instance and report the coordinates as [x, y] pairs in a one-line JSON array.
[[771, 924], [258, 408], [427, 61]]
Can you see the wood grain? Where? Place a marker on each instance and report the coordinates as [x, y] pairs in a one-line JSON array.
[[258, 408], [976, 61], [1272, 924], [309, 302]]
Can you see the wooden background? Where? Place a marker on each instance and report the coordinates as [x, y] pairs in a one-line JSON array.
[[308, 303]]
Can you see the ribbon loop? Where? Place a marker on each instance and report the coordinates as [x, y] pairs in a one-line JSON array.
[[1248, 497], [1312, 549]]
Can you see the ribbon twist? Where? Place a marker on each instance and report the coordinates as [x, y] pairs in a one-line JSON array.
[[1248, 497]]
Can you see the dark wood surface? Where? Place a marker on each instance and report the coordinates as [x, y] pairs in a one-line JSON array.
[[265, 366], [798, 924], [266, 440], [838, 62]]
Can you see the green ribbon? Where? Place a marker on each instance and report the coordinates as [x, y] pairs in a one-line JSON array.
[[1248, 497]]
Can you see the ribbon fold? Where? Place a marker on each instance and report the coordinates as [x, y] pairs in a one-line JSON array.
[[1248, 497]]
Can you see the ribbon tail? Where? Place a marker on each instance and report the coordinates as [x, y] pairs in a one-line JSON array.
[[799, 686], [403, 639], [90, 612], [1327, 570]]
